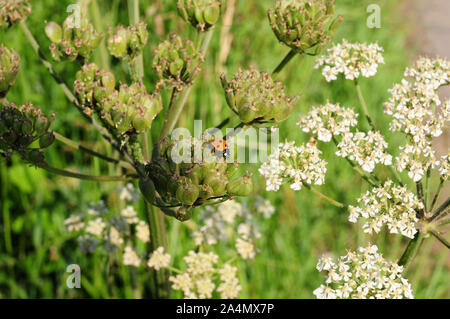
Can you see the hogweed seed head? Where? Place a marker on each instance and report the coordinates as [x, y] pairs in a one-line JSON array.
[[9, 68], [177, 62], [202, 14], [13, 11], [256, 98], [304, 25], [71, 42], [127, 43]]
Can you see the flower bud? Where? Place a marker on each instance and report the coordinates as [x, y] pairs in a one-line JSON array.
[[304, 25], [241, 186], [13, 11], [177, 62], [202, 14], [256, 98], [9, 67]]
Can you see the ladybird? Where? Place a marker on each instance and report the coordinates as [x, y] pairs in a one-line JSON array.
[[220, 145]]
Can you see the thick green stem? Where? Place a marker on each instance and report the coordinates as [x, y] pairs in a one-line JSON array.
[[98, 23], [364, 105], [440, 209], [83, 176], [411, 250], [283, 63], [158, 239], [133, 15]]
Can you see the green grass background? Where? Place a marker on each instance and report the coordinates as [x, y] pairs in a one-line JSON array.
[[35, 248]]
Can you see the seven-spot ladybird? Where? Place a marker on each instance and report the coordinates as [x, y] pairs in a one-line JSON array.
[[220, 145]]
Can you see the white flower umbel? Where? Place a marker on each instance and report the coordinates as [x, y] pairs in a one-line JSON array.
[[363, 274], [159, 259], [328, 120], [351, 59], [367, 149], [229, 288], [143, 232], [389, 204], [417, 112], [294, 164], [95, 227]]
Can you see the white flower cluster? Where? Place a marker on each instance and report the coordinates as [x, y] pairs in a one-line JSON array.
[[417, 111], [350, 59], [225, 221], [198, 279], [159, 259], [444, 167], [297, 164], [102, 227], [264, 207], [367, 149], [389, 204], [362, 274], [328, 120]]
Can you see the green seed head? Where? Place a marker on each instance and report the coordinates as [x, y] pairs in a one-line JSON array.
[[13, 11], [256, 98], [202, 14], [241, 186], [127, 43], [304, 25], [9, 68], [177, 62]]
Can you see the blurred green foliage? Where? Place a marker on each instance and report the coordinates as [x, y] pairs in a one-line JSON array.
[[35, 248]]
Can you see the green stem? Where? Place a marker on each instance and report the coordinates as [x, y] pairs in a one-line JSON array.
[[440, 209], [411, 250], [283, 63], [158, 239], [441, 183], [97, 19], [77, 146], [324, 197], [364, 105], [83, 176], [440, 238], [133, 15]]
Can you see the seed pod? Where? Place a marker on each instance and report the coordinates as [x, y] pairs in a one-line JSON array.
[[148, 190], [9, 68], [257, 98], [53, 31], [127, 43], [241, 186], [187, 193], [177, 62], [13, 11], [202, 14], [304, 25], [46, 140], [217, 182]]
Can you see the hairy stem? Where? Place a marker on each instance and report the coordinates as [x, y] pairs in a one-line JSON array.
[[440, 209]]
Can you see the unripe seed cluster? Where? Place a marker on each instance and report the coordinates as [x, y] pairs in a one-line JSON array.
[[13, 11], [256, 98], [9, 67], [71, 42], [202, 14], [304, 25], [127, 42]]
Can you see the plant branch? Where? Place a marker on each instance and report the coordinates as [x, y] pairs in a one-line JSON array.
[[77, 146], [440, 238], [283, 63], [411, 250], [441, 183], [364, 105], [440, 209], [324, 197], [85, 177]]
